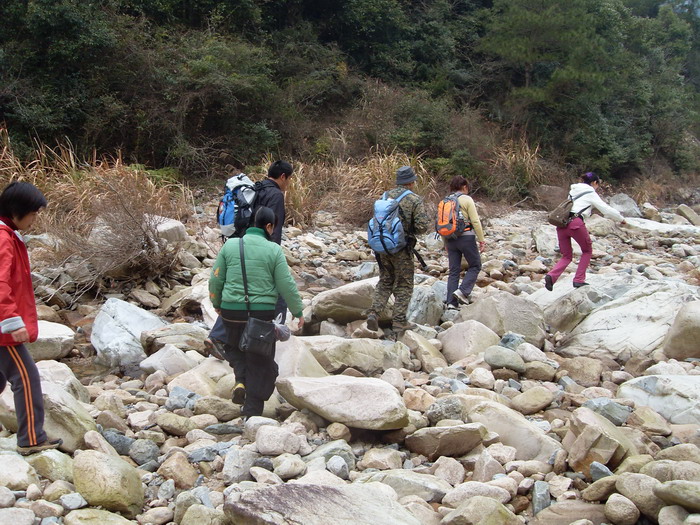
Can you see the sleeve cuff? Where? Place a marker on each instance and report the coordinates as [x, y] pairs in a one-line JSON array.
[[11, 325]]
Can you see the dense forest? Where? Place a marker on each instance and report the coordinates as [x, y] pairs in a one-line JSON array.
[[200, 85]]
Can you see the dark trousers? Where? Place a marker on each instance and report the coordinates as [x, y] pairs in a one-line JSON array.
[[218, 331], [464, 246], [18, 367], [258, 373]]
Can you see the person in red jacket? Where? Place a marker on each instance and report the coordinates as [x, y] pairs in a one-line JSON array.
[[20, 203]]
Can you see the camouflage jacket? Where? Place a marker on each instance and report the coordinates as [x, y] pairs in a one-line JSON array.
[[413, 215]]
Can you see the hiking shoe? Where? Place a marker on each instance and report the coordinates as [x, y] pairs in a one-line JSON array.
[[451, 307], [372, 322], [46, 445], [215, 348], [579, 285], [403, 326], [460, 297], [548, 283], [238, 394]]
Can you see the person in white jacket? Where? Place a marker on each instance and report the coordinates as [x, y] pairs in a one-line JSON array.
[[585, 199]]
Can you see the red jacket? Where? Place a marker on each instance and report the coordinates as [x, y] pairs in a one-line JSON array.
[[17, 305]]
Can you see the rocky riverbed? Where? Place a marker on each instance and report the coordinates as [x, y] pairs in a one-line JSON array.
[[526, 406]]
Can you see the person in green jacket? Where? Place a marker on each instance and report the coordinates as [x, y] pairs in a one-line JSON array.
[[268, 277]]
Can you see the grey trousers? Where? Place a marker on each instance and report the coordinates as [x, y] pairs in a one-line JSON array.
[[464, 246]]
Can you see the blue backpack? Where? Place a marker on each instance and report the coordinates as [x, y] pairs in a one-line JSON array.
[[236, 206], [385, 232]]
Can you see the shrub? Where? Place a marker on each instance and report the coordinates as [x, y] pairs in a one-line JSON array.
[[102, 214]]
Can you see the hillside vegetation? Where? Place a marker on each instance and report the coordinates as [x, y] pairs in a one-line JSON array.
[[486, 88]]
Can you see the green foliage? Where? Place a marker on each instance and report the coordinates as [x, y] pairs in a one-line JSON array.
[[200, 85], [591, 80]]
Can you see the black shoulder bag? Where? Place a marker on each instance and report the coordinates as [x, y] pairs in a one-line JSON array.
[[258, 336]]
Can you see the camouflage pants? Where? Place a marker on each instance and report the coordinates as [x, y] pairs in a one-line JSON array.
[[395, 276]]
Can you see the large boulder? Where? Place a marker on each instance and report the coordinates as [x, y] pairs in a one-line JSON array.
[[566, 512], [108, 482], [592, 437], [465, 339], [61, 374], [52, 465], [625, 205], [430, 357], [184, 336], [170, 230], [682, 339], [426, 306], [529, 440], [370, 356], [170, 359], [345, 303], [480, 510], [356, 402], [634, 322], [680, 492], [663, 229], [95, 517], [116, 332], [16, 472], [503, 312], [408, 483], [573, 305], [64, 416], [55, 341], [316, 505], [294, 359], [676, 398], [689, 213], [456, 440]]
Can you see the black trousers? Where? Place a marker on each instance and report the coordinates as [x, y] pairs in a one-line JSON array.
[[258, 373], [18, 367]]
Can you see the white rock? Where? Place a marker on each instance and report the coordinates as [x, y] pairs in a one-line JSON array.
[[465, 339], [170, 359], [55, 341], [16, 473], [356, 402], [676, 398], [273, 441], [116, 332]]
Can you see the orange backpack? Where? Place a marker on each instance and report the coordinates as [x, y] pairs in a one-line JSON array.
[[450, 222]]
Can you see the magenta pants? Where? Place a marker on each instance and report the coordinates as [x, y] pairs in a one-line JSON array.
[[577, 231]]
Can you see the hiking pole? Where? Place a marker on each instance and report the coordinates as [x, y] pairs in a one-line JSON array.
[[421, 261]]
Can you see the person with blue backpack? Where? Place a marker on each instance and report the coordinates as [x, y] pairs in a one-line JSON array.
[[268, 193], [399, 215]]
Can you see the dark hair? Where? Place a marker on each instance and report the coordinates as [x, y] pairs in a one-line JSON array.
[[457, 183], [263, 217], [279, 168], [589, 177], [19, 199]]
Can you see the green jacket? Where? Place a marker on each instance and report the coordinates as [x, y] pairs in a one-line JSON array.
[[267, 272]]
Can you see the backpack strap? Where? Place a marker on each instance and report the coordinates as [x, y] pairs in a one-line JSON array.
[[580, 195], [245, 279], [406, 192], [572, 199]]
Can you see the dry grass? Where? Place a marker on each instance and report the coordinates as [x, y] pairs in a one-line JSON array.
[[101, 213], [349, 188], [516, 166]]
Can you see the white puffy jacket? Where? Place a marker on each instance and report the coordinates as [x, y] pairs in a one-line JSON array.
[[585, 203]]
